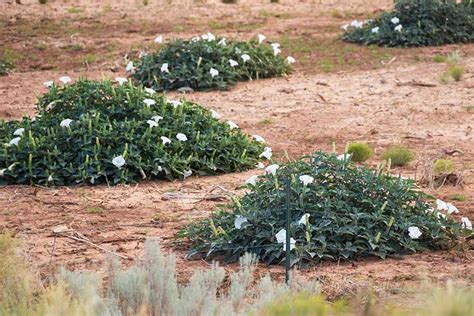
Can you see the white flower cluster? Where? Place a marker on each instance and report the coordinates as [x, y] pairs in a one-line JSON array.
[[356, 24], [415, 232], [130, 68]]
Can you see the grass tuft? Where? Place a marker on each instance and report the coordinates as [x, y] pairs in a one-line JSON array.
[[360, 151], [398, 155], [456, 72], [442, 166]]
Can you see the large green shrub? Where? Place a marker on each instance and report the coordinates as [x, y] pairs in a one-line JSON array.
[[96, 131], [353, 212], [209, 63], [416, 23]]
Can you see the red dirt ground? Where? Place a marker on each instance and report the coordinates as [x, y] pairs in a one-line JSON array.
[[374, 102]]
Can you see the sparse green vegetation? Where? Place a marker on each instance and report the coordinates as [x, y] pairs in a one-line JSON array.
[[75, 10], [439, 59], [442, 166], [89, 59], [95, 210], [398, 155], [359, 152], [456, 72], [267, 121], [458, 197]]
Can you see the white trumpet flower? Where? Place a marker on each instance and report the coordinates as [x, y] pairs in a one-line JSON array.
[[252, 180], [65, 79], [305, 179], [232, 125], [214, 72], [65, 123], [165, 140], [118, 161], [233, 63], [272, 169], [164, 68], [181, 137], [19, 132], [414, 232], [121, 80], [239, 220]]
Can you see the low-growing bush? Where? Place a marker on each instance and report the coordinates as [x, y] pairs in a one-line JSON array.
[[416, 23], [398, 155], [441, 166], [97, 131], [207, 62], [456, 72], [359, 151], [338, 211]]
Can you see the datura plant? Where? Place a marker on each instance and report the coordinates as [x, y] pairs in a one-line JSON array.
[[338, 211], [208, 62], [416, 23], [101, 131]]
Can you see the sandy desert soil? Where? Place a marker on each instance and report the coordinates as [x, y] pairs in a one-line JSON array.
[[361, 94]]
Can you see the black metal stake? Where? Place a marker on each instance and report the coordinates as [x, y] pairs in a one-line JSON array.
[[287, 248]]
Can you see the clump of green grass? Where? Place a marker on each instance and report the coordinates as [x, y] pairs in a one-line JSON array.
[[458, 197], [456, 72], [398, 155], [360, 151], [439, 59], [89, 59], [95, 210], [267, 121], [441, 166]]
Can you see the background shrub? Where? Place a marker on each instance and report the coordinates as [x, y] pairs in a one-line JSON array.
[[109, 121], [398, 155], [423, 22], [456, 72], [190, 63], [353, 212], [443, 166], [359, 151]]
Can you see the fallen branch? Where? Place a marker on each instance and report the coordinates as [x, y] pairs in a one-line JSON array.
[[64, 231], [417, 84]]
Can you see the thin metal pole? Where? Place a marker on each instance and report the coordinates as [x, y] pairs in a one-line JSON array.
[[287, 250]]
